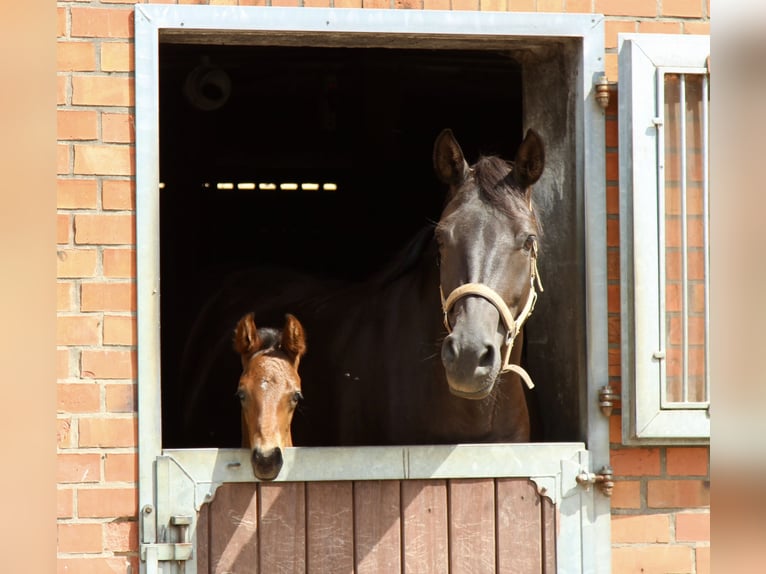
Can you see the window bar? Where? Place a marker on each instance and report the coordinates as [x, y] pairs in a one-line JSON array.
[[659, 123], [705, 236], [684, 243]]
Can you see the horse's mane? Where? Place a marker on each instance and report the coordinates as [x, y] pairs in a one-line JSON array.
[[408, 258], [491, 173]]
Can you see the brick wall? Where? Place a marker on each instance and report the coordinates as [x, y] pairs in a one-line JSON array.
[[661, 498]]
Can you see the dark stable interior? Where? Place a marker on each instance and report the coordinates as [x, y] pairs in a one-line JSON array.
[[364, 119]]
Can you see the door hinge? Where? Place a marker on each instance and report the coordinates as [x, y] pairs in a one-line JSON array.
[[602, 91], [164, 551], [603, 479], [606, 399]]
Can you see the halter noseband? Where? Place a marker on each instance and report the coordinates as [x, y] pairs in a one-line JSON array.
[[512, 326]]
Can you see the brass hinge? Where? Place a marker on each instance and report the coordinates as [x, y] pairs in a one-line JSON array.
[[606, 399], [602, 91], [603, 480]]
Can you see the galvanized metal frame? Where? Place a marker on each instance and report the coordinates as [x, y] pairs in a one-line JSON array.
[[589, 511], [643, 60]]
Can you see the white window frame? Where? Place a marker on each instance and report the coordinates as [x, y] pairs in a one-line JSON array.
[[643, 58]]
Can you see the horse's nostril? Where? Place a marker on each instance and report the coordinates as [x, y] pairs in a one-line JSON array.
[[449, 350], [487, 358]]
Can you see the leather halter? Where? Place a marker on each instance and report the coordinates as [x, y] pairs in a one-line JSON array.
[[512, 326]]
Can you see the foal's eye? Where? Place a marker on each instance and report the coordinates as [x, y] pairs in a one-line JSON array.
[[240, 394], [297, 397], [530, 242]]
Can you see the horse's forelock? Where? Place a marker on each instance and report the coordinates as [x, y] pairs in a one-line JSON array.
[[491, 175]]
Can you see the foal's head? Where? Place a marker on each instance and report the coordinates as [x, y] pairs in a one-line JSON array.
[[487, 236], [269, 389]]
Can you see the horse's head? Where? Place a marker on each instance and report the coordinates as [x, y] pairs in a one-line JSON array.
[[487, 236], [269, 389]]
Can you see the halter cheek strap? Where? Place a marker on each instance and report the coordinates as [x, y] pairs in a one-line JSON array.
[[512, 326]]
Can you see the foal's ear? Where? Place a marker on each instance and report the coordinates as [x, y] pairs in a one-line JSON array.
[[449, 162], [246, 339], [293, 339], [530, 160]]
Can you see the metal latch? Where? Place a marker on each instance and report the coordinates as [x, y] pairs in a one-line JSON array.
[[164, 551], [603, 480]]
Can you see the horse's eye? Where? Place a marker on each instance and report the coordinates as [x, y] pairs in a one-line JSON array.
[[297, 397], [240, 394], [530, 243]]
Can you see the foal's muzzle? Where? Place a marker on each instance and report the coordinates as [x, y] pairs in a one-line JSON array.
[[267, 464]]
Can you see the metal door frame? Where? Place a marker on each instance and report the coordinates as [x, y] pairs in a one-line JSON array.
[[196, 476]]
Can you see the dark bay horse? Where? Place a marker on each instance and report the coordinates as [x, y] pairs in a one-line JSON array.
[[269, 389], [428, 349]]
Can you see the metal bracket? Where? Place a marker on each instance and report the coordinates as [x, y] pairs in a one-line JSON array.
[[602, 91], [606, 399], [603, 480], [165, 551]]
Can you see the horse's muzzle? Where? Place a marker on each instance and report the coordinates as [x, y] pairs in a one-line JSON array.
[[267, 464], [471, 366]]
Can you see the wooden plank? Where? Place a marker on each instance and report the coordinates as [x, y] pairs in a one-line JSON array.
[[282, 527], [202, 534], [424, 530], [377, 527], [233, 529], [519, 526], [550, 532], [329, 527], [472, 526]]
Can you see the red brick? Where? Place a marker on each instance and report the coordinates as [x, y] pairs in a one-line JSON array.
[[79, 538], [579, 6], [493, 5], [102, 91], [119, 330], [636, 461], [633, 529], [64, 503], [108, 364], [677, 494], [615, 429], [116, 57], [118, 128], [62, 158], [613, 264], [121, 536], [78, 330], [702, 554], [612, 134], [107, 432], [612, 232], [697, 28], [614, 363], [626, 494], [121, 398], [78, 398], [682, 8], [64, 436], [78, 468], [613, 298], [64, 296], [119, 263], [61, 17], [118, 195], [75, 56], [62, 90], [693, 527], [626, 7], [76, 263], [521, 5], [550, 6], [612, 73], [91, 22], [77, 124], [94, 565], [120, 467], [103, 159], [77, 193], [107, 502], [63, 229], [62, 364], [653, 558], [687, 461], [613, 330], [104, 229], [306, 3], [436, 4], [612, 167], [655, 27], [108, 297]]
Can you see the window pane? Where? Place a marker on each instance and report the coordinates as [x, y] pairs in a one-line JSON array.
[[685, 239]]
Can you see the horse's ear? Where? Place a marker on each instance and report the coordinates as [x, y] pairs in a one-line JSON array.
[[449, 162], [530, 160], [293, 339], [246, 339]]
